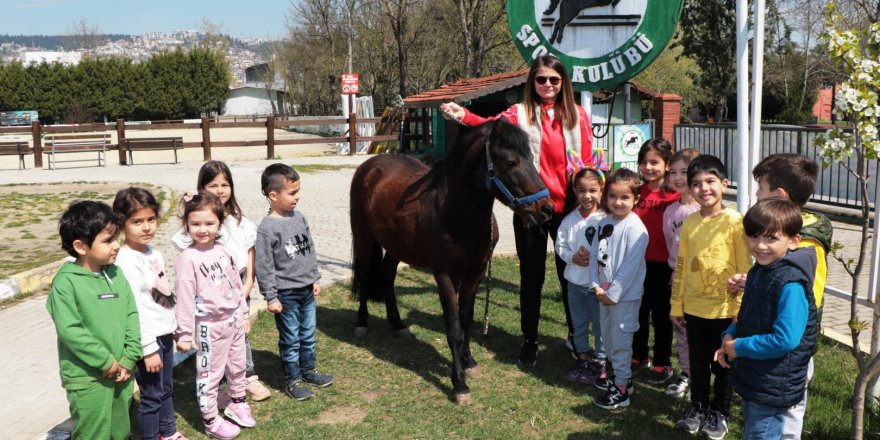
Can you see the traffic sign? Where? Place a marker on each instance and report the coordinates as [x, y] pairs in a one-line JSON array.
[[350, 84]]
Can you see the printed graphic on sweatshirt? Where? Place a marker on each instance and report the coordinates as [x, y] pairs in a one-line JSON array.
[[153, 275], [299, 244], [222, 274], [604, 258], [713, 268]]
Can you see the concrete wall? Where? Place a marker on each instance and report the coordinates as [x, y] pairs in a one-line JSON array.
[[248, 101]]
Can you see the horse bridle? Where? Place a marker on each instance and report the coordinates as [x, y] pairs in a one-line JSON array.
[[492, 179]]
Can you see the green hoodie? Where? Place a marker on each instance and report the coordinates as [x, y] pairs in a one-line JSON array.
[[96, 319]]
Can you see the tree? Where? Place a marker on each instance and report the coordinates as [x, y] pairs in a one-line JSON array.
[[85, 36], [477, 19], [857, 52], [707, 33], [674, 72]]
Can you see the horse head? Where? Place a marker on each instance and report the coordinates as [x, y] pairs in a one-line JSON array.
[[512, 177]]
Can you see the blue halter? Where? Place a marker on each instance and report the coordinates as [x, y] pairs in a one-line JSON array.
[[492, 179]]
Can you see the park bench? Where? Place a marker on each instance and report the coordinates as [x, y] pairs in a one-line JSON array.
[[20, 148], [152, 144], [77, 143]]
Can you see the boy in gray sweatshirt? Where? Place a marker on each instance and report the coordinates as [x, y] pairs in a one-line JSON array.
[[287, 273]]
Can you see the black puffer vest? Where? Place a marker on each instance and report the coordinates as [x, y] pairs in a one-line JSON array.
[[778, 382]]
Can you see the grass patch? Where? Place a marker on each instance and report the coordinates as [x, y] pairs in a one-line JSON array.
[[315, 168], [389, 387]]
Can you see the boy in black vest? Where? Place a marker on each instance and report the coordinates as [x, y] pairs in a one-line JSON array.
[[772, 340]]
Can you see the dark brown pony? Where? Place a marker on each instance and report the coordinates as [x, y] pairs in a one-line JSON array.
[[441, 218]]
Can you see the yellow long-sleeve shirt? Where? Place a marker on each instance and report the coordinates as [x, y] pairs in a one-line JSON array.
[[710, 251]]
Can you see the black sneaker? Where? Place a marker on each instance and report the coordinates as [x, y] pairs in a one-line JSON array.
[[528, 355], [604, 382], [298, 390], [715, 427], [659, 375], [679, 388], [693, 419], [638, 365], [612, 399], [318, 379]]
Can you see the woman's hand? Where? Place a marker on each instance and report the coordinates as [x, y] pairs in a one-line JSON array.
[[452, 111]]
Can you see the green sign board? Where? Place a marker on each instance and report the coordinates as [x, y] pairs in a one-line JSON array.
[[628, 139], [602, 42]]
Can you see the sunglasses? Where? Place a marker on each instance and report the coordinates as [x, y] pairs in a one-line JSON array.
[[554, 80]]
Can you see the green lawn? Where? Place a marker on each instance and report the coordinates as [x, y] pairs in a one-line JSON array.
[[388, 387]]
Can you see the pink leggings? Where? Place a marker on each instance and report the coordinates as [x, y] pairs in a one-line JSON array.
[[681, 347], [220, 347]]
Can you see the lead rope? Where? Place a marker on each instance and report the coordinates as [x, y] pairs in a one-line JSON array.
[[488, 281]]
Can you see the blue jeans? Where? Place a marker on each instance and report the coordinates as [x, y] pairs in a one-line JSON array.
[[296, 331], [156, 411], [762, 422], [585, 314]]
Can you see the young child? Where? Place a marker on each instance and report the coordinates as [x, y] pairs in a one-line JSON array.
[[673, 218], [712, 247], [793, 177], [96, 320], [144, 268], [654, 198], [213, 314], [576, 234], [287, 271], [238, 234], [617, 272], [771, 342]]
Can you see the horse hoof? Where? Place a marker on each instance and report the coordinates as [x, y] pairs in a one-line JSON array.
[[463, 399], [473, 372], [360, 332], [404, 333]]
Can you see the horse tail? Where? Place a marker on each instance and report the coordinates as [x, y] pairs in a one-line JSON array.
[[366, 264], [367, 274]]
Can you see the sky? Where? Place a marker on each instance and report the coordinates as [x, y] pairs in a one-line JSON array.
[[261, 18]]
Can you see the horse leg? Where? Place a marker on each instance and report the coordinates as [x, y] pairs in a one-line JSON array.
[[389, 274], [454, 336], [466, 300]]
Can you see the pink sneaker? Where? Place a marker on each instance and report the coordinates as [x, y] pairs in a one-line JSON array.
[[222, 429], [240, 413]]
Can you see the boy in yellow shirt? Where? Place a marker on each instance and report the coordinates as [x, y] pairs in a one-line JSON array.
[[712, 248]]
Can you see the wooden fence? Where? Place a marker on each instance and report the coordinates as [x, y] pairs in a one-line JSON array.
[[207, 124]]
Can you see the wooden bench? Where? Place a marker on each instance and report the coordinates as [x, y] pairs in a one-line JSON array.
[[77, 143], [152, 144], [20, 148]]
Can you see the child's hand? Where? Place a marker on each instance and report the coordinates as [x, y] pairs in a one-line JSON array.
[[316, 289], [737, 283], [247, 326], [112, 371], [123, 375], [153, 362], [602, 296], [678, 322], [184, 346], [728, 346], [274, 307], [581, 258], [721, 358]]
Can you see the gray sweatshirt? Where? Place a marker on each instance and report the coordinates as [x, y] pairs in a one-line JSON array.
[[285, 255], [617, 257]]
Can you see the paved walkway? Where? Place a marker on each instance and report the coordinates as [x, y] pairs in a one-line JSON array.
[[36, 402]]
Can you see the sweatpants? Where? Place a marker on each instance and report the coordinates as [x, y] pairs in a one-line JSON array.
[[655, 310], [704, 337], [156, 411], [101, 410], [220, 352], [619, 322], [531, 249]]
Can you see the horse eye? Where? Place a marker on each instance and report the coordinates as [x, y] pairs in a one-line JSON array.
[[512, 163]]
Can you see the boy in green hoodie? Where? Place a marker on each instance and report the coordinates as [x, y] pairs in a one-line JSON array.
[[97, 323]]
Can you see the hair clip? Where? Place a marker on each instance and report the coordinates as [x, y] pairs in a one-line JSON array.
[[188, 196]]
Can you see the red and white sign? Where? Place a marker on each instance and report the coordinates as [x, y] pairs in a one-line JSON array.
[[350, 84]]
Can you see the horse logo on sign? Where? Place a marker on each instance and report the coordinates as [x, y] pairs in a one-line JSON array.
[[602, 42]]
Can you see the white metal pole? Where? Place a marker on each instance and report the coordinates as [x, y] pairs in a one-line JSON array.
[[742, 104], [874, 386], [757, 91]]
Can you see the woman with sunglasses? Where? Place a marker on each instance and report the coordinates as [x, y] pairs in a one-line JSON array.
[[561, 140]]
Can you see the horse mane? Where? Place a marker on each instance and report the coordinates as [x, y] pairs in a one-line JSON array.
[[507, 135]]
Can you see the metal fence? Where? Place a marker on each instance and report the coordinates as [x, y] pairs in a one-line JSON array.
[[835, 185]]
